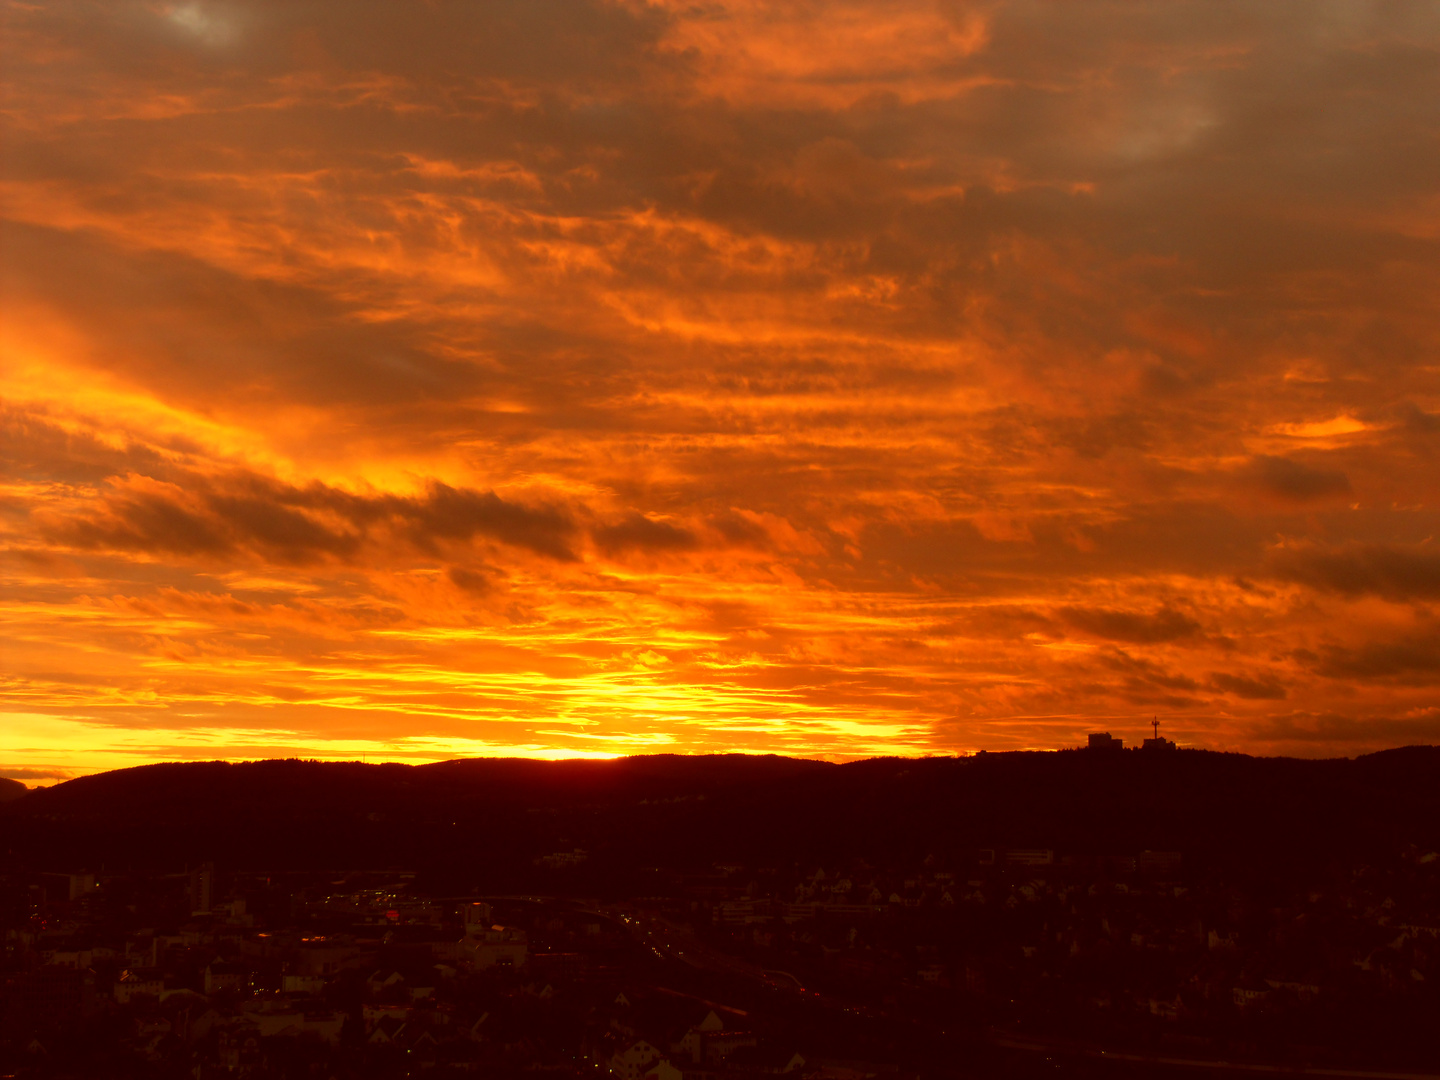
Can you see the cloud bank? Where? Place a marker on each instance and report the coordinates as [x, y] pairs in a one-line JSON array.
[[588, 377]]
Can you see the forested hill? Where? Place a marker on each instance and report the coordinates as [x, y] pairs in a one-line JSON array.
[[492, 818]]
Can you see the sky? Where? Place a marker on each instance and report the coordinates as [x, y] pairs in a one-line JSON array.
[[405, 381]]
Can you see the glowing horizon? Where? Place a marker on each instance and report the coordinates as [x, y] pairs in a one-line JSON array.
[[612, 376]]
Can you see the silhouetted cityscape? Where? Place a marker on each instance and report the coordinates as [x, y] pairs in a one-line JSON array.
[[1097, 912]]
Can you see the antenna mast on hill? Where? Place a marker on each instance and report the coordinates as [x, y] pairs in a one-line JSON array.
[[1155, 723]]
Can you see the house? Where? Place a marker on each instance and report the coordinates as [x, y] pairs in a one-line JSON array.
[[477, 916], [283, 1019], [1250, 993], [708, 1043], [272, 1018], [373, 1014], [137, 982], [302, 984], [237, 1043], [387, 1032], [1165, 1008], [221, 975], [635, 1061], [324, 955]]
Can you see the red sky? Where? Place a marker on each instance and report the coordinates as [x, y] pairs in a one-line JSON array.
[[430, 379]]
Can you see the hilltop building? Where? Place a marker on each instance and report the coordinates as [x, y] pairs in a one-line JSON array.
[[1157, 743]]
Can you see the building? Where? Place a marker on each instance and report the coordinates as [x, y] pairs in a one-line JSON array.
[[1103, 740], [709, 1043], [738, 912], [324, 954], [224, 976], [1157, 743], [634, 1061], [478, 917], [202, 889], [138, 983], [1030, 857], [303, 984], [499, 946], [282, 1018]]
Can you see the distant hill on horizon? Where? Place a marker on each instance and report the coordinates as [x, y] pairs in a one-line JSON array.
[[492, 817]]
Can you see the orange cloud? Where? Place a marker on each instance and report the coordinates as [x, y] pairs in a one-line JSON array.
[[829, 379]]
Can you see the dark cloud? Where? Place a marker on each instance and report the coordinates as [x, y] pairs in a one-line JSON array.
[[741, 531], [640, 533], [470, 580], [1312, 730], [1415, 657], [1394, 571], [1165, 624], [286, 534], [298, 525], [145, 522], [1296, 480], [1417, 419], [1146, 674], [456, 514], [33, 447], [454, 48], [194, 327], [1263, 689], [1097, 436]]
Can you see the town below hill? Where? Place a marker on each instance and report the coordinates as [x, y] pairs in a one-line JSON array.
[[1092, 913]]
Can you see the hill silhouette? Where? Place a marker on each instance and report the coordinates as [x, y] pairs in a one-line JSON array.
[[490, 818], [10, 790]]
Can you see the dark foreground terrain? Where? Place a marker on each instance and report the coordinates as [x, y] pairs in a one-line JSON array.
[[1083, 913]]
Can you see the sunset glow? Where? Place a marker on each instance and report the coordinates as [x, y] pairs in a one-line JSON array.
[[414, 381]]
